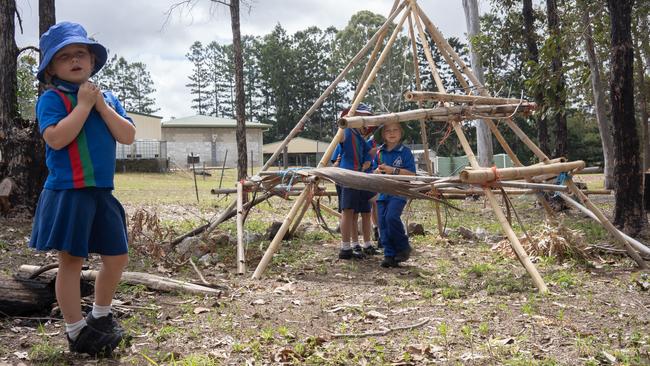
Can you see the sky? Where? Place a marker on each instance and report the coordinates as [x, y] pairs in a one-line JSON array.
[[146, 31]]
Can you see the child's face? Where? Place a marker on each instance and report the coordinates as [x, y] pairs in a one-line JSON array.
[[73, 63], [392, 133]]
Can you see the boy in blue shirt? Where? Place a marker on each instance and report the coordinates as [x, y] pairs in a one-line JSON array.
[[354, 155], [77, 213], [397, 159]]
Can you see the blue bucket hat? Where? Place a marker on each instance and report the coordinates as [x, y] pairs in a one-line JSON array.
[[63, 34]]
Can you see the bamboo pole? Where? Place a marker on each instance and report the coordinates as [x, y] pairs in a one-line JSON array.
[[485, 175], [358, 57], [241, 256], [645, 250], [607, 224], [275, 243], [373, 55], [364, 89], [514, 241], [298, 219], [435, 114], [421, 96], [330, 210], [423, 126]]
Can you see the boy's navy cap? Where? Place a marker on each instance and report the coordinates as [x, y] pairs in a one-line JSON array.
[[362, 109], [63, 34]]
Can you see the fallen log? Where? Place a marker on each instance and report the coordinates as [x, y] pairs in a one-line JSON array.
[[26, 296], [153, 282]]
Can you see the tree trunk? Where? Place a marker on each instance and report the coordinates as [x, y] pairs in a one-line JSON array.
[[641, 36], [483, 134], [629, 213], [8, 73], [46, 19], [533, 55], [558, 93], [21, 148], [240, 100], [604, 124]]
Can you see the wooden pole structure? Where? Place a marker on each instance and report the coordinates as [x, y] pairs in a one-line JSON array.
[[422, 96], [330, 210], [445, 48], [423, 125], [275, 243], [241, 256], [358, 57], [514, 241]]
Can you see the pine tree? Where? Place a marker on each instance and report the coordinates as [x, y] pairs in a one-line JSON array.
[[142, 89], [199, 81]]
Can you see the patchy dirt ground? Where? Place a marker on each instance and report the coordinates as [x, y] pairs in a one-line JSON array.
[[455, 302]]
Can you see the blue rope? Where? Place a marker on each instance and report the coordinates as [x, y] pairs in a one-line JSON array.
[[561, 178]]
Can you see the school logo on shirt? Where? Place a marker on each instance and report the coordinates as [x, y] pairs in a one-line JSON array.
[[398, 161]]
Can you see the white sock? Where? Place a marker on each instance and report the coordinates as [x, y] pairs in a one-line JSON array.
[[100, 310], [74, 329], [367, 244], [345, 245], [354, 244]]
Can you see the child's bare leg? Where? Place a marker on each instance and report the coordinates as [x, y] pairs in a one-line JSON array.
[[109, 277], [354, 234], [346, 225], [366, 226], [68, 293]]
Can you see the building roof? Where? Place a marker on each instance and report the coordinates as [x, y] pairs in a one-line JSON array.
[[298, 145], [144, 114], [210, 122]]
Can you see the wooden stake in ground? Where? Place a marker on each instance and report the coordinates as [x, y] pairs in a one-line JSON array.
[[241, 256]]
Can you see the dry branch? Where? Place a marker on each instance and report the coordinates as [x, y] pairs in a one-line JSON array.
[[153, 282], [380, 332]]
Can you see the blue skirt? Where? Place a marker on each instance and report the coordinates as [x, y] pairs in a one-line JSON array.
[[79, 222]]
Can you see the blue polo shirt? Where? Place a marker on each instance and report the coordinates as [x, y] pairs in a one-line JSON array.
[[89, 160], [354, 150], [399, 157]]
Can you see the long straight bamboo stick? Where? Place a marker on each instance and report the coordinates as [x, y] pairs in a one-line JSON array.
[[633, 242], [330, 210], [364, 88], [423, 125], [421, 96], [373, 55], [607, 224], [514, 241], [241, 256], [358, 57], [275, 243], [484, 175]]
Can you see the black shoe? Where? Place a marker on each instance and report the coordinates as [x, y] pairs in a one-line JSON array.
[[389, 262], [358, 252], [108, 324], [371, 250], [94, 342], [350, 254], [404, 255]]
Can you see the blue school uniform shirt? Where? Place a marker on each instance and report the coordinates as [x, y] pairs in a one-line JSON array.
[[89, 160], [372, 144], [354, 150], [399, 157]]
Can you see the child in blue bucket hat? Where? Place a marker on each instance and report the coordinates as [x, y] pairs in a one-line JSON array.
[[77, 213]]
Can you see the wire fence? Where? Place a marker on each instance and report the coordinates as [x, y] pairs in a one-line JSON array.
[[142, 149]]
